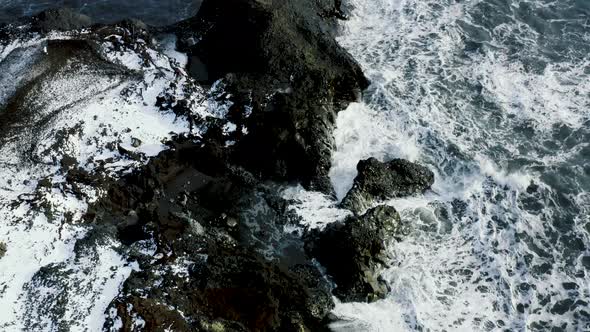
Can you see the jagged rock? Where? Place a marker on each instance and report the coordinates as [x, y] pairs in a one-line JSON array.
[[199, 208], [354, 252], [45, 183], [243, 287], [68, 162], [2, 249], [287, 67], [233, 288], [62, 19], [274, 38], [136, 142], [203, 201], [377, 181]]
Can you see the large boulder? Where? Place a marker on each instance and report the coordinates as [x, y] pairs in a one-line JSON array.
[[280, 61], [377, 181], [284, 40], [354, 252]]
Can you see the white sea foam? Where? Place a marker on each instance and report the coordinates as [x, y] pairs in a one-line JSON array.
[[479, 256], [316, 209], [385, 142]]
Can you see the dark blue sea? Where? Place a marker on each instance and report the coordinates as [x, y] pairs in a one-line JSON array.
[[153, 12]]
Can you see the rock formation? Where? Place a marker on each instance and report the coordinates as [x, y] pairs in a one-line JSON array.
[[354, 252], [279, 60], [377, 181]]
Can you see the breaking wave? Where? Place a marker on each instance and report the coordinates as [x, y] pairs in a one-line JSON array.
[[494, 96]]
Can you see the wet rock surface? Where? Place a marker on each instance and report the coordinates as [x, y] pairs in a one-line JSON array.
[[377, 181], [222, 258], [354, 252], [230, 290], [279, 60], [66, 101], [29, 109]]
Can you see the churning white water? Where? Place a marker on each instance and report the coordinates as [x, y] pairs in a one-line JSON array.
[[489, 96]]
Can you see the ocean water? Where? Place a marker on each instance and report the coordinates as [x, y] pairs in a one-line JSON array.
[[494, 96], [154, 12]]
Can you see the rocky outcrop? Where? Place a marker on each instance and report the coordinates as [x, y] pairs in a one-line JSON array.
[[206, 232], [222, 259], [280, 61], [354, 252], [236, 290], [242, 287], [28, 106], [232, 289], [377, 181]]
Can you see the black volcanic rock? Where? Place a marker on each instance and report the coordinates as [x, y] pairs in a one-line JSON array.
[[28, 104], [353, 252], [380, 181], [279, 39], [232, 288], [240, 286], [246, 273], [206, 202], [2, 249], [279, 59]]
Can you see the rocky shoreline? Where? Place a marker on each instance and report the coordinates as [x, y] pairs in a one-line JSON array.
[[204, 220]]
